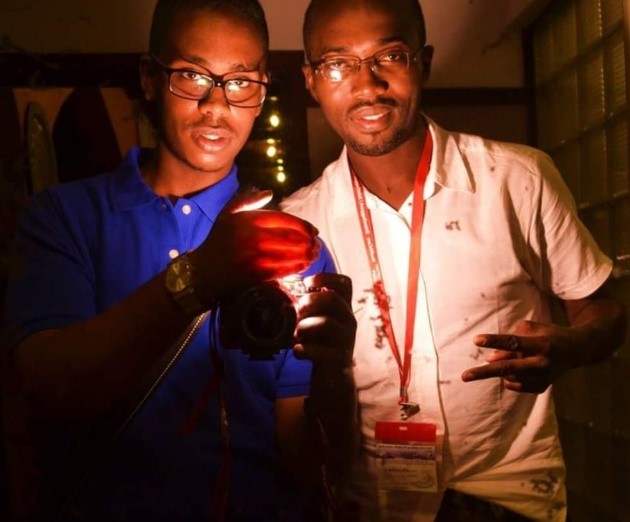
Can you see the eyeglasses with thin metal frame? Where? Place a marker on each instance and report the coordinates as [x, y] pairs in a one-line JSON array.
[[336, 69], [239, 90]]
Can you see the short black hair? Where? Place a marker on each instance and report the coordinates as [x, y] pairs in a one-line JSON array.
[[248, 10], [316, 6]]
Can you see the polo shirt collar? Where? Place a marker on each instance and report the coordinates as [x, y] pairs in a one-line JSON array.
[[130, 191], [212, 200]]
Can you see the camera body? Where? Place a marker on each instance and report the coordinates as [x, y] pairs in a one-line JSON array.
[[262, 319]]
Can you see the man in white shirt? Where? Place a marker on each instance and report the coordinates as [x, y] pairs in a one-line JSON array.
[[455, 245]]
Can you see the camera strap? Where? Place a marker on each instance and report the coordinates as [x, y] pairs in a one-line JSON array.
[[219, 498], [92, 451], [212, 388]]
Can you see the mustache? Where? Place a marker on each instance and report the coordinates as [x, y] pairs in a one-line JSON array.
[[204, 123], [378, 101]]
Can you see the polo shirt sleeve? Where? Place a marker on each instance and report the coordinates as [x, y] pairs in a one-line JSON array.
[[573, 265], [295, 375], [51, 282], [294, 378], [325, 261]]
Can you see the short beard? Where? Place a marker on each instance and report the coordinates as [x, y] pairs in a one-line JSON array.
[[379, 148]]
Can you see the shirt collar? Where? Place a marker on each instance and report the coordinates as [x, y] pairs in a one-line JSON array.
[[129, 190], [448, 168]]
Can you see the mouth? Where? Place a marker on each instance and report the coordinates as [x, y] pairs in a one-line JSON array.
[[211, 140], [372, 118]]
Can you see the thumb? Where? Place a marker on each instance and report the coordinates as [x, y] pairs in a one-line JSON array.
[[248, 201]]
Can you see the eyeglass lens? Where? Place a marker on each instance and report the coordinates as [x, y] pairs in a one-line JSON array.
[[198, 86], [339, 69]]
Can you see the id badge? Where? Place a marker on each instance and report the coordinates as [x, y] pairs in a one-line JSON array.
[[406, 456]]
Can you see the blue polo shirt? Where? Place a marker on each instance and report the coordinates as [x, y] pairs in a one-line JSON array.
[[84, 246]]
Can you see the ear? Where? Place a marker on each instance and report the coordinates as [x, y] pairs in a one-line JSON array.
[[426, 57], [309, 79], [147, 78]]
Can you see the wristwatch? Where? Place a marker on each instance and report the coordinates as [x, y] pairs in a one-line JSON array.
[[180, 285]]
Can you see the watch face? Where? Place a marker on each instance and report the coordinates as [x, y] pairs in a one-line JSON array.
[[42, 163], [180, 285], [179, 275]]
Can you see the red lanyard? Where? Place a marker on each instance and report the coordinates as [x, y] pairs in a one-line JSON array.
[[417, 217]]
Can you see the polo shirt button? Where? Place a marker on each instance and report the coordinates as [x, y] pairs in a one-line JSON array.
[[186, 209], [173, 254]]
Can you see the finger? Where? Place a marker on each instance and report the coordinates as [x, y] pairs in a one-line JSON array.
[[340, 283], [272, 255], [502, 342], [275, 244], [325, 330], [267, 269], [328, 303], [299, 351], [270, 252], [514, 386], [289, 242], [511, 343], [249, 201], [323, 354], [277, 219], [496, 369], [502, 355]]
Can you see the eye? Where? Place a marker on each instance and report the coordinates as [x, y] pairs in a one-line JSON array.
[[189, 75], [237, 84], [395, 56], [193, 77], [338, 64]]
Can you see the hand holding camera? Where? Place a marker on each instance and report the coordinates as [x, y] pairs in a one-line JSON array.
[[326, 325], [248, 245], [312, 314], [248, 264]]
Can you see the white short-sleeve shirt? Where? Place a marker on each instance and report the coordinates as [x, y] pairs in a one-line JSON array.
[[500, 235]]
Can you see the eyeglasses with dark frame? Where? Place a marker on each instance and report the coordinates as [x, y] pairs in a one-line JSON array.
[[240, 91], [336, 69]]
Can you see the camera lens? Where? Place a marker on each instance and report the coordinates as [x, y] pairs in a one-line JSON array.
[[268, 316], [260, 321]]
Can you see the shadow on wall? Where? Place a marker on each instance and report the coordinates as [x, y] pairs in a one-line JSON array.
[[12, 196], [84, 139]]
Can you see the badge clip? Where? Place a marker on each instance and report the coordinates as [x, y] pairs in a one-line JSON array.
[[408, 409]]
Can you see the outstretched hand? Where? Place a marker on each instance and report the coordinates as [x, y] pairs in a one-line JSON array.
[[248, 245], [528, 360]]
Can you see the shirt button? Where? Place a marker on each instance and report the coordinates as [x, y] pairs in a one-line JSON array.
[[186, 209], [173, 254]]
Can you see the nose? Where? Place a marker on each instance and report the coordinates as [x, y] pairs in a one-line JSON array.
[[214, 103], [367, 78]]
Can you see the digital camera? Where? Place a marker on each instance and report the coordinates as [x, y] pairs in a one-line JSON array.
[[262, 319]]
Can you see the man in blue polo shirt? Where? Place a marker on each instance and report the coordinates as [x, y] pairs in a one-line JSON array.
[[113, 269]]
